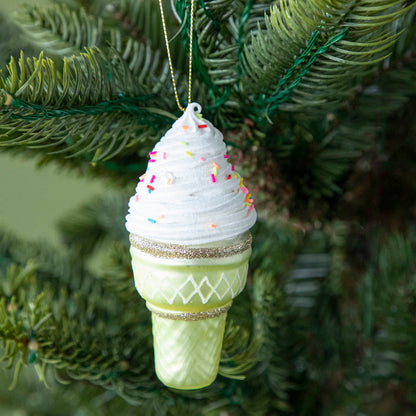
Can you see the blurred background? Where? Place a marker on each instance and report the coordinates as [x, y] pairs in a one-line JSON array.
[[33, 199]]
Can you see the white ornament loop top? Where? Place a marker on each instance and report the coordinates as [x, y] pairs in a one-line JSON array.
[[190, 193]]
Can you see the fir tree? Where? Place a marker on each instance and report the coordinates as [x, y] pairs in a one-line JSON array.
[[316, 99]]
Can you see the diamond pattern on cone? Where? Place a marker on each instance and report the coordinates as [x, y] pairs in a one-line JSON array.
[[187, 353], [165, 286]]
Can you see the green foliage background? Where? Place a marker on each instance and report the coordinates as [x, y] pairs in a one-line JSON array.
[[316, 100]]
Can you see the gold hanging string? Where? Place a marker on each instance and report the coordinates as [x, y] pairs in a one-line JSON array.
[[170, 58]]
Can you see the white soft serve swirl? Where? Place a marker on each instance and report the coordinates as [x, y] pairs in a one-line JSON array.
[[186, 207]]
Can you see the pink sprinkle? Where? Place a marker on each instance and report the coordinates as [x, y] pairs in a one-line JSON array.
[[152, 179], [202, 126], [152, 153], [213, 178], [225, 156], [201, 159], [142, 177], [244, 189], [250, 208], [152, 160], [232, 168], [164, 155], [136, 198]]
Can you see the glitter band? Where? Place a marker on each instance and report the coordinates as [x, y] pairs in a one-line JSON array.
[[190, 316], [167, 250]]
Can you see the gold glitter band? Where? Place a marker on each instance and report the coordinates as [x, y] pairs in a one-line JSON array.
[[167, 250], [190, 316]]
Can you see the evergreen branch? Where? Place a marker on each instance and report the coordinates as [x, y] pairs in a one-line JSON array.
[[61, 30], [88, 108], [366, 43], [38, 81], [214, 53], [268, 306], [239, 353], [117, 275], [386, 296], [97, 137], [100, 220], [65, 341], [141, 20]]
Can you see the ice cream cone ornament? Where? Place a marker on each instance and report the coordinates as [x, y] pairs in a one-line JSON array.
[[190, 246]]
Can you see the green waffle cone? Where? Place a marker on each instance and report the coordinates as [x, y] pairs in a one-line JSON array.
[[187, 353], [188, 298]]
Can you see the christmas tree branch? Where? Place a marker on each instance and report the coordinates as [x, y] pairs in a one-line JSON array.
[[61, 30], [81, 110], [368, 41]]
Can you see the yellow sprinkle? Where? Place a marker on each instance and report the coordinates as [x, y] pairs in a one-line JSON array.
[[214, 171], [235, 175], [241, 182], [189, 153]]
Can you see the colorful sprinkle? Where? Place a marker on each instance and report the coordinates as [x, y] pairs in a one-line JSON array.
[[199, 115], [152, 153], [244, 189], [213, 226], [241, 182], [215, 165], [226, 156], [136, 198], [235, 175], [142, 177], [215, 171], [228, 177], [169, 177], [152, 160], [232, 168], [213, 178], [189, 153], [164, 155], [150, 188], [151, 220], [250, 207], [202, 126], [185, 127], [160, 217], [152, 178], [202, 159], [184, 143]]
